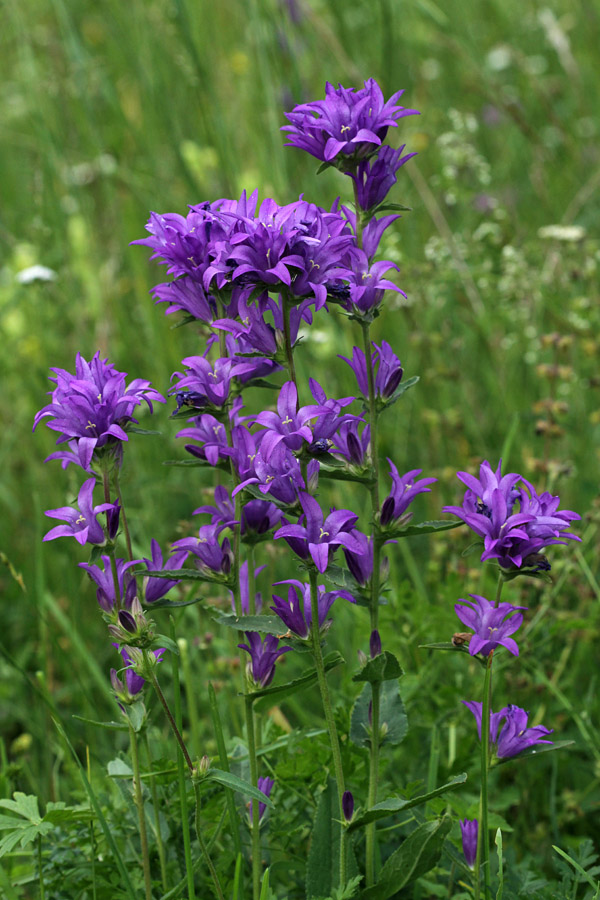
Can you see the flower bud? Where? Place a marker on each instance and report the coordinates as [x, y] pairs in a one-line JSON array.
[[347, 805], [375, 644]]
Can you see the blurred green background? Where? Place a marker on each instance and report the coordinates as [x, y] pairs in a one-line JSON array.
[[111, 109]]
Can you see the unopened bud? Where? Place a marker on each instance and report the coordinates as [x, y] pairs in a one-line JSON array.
[[347, 805], [375, 643]]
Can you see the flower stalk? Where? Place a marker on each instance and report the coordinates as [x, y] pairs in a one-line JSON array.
[[139, 802], [327, 708], [482, 862], [254, 807]]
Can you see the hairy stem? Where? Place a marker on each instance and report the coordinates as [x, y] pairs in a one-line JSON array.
[[139, 802], [154, 794], [483, 844], [123, 515], [254, 806], [327, 708]]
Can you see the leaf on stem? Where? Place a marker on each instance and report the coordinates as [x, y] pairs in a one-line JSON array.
[[399, 804]]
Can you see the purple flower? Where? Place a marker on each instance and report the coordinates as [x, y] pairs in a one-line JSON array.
[[263, 655], [289, 424], [92, 408], [469, 830], [210, 556], [490, 507], [317, 536], [347, 126], [156, 588], [514, 735], [352, 446], [105, 591], [279, 476], [387, 371], [331, 419], [296, 611], [360, 562], [223, 512], [82, 523], [492, 625], [366, 285], [375, 177], [404, 490], [245, 590], [212, 435], [211, 382], [266, 786], [186, 295], [128, 688]]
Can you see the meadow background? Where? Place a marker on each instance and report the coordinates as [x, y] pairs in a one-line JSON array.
[[110, 110]]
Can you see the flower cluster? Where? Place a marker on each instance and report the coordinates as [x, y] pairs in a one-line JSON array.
[[514, 522]]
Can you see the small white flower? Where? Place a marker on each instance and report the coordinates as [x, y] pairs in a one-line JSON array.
[[35, 273]]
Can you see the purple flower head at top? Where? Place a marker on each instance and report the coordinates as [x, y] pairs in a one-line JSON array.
[[387, 370], [92, 408], [404, 490], [315, 536], [290, 424], [81, 523], [375, 177], [264, 653], [105, 587], [492, 625], [514, 735], [296, 611], [514, 522], [210, 556], [348, 125], [157, 588], [469, 829]]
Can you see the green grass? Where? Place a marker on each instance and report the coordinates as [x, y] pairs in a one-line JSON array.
[[114, 109]]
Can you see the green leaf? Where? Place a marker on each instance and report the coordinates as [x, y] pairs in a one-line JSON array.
[[416, 855], [391, 712], [118, 768], [399, 804], [423, 528], [229, 780], [25, 805], [164, 642], [180, 575], [265, 624], [136, 713], [445, 645], [383, 207], [535, 751], [401, 389], [383, 667], [133, 429], [117, 726], [164, 603], [322, 867], [267, 696]]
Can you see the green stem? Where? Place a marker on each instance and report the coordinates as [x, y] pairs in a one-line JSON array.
[[254, 805], [40, 873], [370, 837], [234, 819], [483, 844], [111, 549], [154, 681], [287, 335], [251, 581], [204, 848], [499, 587], [139, 802], [123, 516], [181, 755], [190, 692], [327, 708], [154, 794]]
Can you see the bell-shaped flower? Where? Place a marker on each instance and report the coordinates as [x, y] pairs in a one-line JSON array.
[[290, 424], [386, 367], [492, 624], [81, 523], [348, 125], [94, 407], [105, 584], [404, 490], [210, 556], [264, 652], [315, 536], [296, 611], [469, 829], [375, 176], [514, 736], [157, 588]]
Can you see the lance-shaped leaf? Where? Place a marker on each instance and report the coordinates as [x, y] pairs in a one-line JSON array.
[[322, 874], [416, 855], [422, 528], [272, 694], [229, 780], [400, 804], [264, 624], [534, 751]]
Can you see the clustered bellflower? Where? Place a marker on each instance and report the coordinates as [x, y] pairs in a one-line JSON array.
[[514, 736], [514, 522], [492, 624]]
